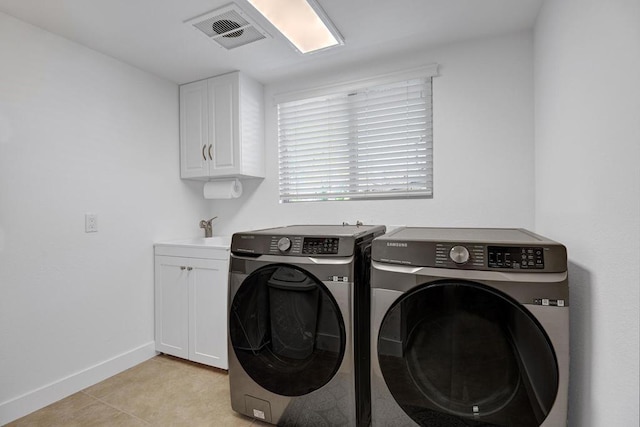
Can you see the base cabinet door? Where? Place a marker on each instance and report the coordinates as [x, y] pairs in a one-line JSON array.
[[207, 313], [190, 309], [171, 306]]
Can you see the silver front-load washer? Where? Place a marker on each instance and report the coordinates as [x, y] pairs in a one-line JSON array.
[[470, 327], [299, 322]]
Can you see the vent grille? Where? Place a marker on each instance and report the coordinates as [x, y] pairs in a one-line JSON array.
[[228, 26]]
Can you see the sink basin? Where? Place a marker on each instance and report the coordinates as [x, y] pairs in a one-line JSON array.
[[215, 241]]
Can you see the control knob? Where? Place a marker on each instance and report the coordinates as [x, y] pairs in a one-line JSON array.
[[284, 244], [459, 254]]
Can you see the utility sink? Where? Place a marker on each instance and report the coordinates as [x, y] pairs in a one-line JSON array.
[[196, 247], [216, 241]]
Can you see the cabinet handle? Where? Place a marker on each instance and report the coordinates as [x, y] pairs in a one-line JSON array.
[[189, 268], [210, 156], [204, 156], [182, 267]]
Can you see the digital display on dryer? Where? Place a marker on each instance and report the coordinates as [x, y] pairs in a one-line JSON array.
[[530, 258]]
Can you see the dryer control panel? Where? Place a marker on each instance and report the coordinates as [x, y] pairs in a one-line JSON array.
[[516, 257], [512, 250], [444, 250]]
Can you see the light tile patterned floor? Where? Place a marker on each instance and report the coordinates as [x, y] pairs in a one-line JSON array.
[[163, 391]]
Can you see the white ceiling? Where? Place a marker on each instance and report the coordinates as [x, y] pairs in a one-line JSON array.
[[151, 34]]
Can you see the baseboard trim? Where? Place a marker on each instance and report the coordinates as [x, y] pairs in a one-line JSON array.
[[32, 401]]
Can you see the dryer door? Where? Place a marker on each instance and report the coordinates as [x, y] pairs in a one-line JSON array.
[[459, 353], [286, 330]]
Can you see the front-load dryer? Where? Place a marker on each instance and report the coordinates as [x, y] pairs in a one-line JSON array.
[[299, 322], [470, 327]]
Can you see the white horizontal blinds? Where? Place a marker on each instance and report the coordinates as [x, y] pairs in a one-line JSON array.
[[371, 143]]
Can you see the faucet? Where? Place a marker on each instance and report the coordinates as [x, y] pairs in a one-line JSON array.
[[358, 223], [208, 228]]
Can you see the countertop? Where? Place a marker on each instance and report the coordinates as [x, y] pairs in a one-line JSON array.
[[217, 247], [222, 242]]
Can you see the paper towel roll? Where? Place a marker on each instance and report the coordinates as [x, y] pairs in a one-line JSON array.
[[222, 189]]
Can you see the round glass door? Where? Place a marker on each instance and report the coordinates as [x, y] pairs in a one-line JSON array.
[[460, 353], [286, 330]]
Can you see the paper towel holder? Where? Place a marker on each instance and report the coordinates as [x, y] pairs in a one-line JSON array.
[[229, 188], [237, 186]]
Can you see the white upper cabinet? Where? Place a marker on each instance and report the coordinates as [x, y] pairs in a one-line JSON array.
[[194, 130], [222, 128]]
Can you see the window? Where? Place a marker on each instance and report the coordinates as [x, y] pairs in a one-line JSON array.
[[368, 140]]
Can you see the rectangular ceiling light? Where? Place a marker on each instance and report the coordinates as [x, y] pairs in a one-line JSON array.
[[303, 22]]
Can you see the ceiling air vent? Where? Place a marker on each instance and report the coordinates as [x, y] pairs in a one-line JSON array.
[[228, 26]]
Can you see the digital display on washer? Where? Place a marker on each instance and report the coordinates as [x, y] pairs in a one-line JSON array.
[[320, 245], [516, 257]]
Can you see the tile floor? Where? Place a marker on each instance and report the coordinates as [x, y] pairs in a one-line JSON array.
[[163, 391]]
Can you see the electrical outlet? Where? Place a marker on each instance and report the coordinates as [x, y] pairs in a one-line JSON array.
[[90, 223]]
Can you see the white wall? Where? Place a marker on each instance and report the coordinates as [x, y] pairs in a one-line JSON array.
[[587, 127], [483, 145], [80, 132]]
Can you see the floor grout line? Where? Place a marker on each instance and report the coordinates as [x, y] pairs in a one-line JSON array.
[[118, 409]]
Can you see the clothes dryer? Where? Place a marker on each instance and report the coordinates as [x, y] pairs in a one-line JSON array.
[[470, 327], [299, 324]]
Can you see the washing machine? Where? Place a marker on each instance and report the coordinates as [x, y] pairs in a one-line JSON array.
[[470, 327], [299, 323]]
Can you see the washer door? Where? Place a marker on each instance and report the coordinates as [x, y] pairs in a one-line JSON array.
[[459, 353], [286, 330]]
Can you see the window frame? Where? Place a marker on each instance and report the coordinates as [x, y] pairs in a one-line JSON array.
[[358, 87]]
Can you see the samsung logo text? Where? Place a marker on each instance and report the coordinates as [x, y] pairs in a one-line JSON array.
[[397, 244]]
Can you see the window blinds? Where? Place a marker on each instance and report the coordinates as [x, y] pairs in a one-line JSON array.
[[374, 142]]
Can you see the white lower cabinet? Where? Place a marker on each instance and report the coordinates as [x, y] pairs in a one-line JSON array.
[[191, 307]]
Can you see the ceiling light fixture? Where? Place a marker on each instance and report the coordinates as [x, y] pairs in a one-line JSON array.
[[303, 22]]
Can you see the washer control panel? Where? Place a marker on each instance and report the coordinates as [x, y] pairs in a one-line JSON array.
[[300, 245], [313, 241], [320, 245], [282, 245], [516, 257]]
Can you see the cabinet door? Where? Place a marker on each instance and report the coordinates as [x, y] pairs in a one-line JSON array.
[[224, 124], [195, 147], [171, 305], [208, 312]]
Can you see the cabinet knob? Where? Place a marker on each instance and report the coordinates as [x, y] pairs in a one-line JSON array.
[[182, 267], [189, 268], [204, 156], [210, 156]]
